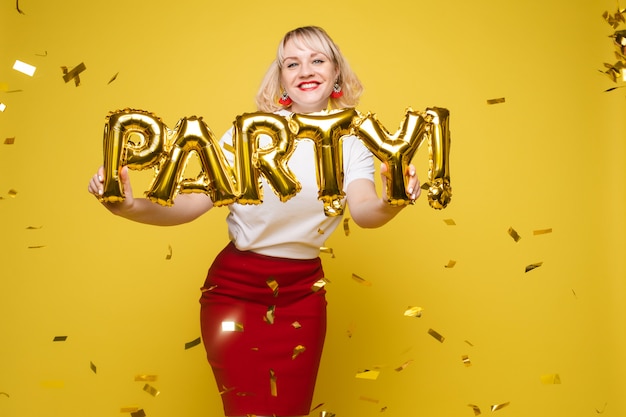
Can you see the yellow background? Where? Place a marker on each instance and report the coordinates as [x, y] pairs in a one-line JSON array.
[[551, 156]]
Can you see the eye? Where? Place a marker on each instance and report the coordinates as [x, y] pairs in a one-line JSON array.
[[291, 64], [318, 61]]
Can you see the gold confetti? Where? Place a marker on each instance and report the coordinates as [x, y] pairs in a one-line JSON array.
[[73, 74], [469, 343], [516, 237], [231, 326], [475, 408], [168, 256], [146, 378], [601, 411], [404, 366], [413, 312], [383, 409], [495, 100], [195, 342], [138, 413], [324, 249], [17, 7], [466, 360], [269, 315], [34, 227], [273, 284], [36, 247], [273, 387], [59, 338], [211, 288], [296, 325], [326, 414], [449, 222], [451, 264], [497, 407], [346, 226], [320, 231], [53, 384], [93, 367], [319, 284], [542, 231], [550, 379], [225, 390], [113, 78], [3, 107], [12, 193], [128, 409], [361, 281], [351, 329], [5, 394], [368, 399], [436, 335], [151, 390], [297, 351], [24, 68], [367, 374], [316, 407], [9, 141], [45, 54], [533, 266]]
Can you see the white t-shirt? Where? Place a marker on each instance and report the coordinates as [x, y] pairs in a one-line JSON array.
[[298, 227]]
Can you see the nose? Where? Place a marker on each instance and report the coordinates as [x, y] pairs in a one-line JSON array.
[[306, 70]]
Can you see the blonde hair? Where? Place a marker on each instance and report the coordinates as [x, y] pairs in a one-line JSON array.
[[317, 39]]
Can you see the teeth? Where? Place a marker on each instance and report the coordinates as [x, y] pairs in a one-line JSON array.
[[308, 85]]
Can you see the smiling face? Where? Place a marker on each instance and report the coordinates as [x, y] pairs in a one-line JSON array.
[[308, 76]]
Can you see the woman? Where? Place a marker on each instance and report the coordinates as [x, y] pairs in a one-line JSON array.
[[263, 314]]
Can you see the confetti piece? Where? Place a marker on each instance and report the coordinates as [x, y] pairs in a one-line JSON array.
[[45, 54], [211, 288], [36, 247], [404, 366], [601, 411], [368, 399], [193, 343], [516, 237], [574, 292], [5, 394], [168, 256], [59, 338], [466, 360], [53, 384], [449, 222], [34, 227], [495, 100], [297, 351], [326, 414], [273, 284], [367, 374], [361, 281], [93, 367], [138, 413], [346, 226], [469, 343], [413, 312], [497, 407], [319, 284], [73, 74], [316, 407], [12, 193], [128, 409], [231, 326], [24, 68], [550, 379], [296, 325], [9, 141], [451, 264], [113, 78], [436, 335], [542, 231], [324, 249], [320, 231], [151, 390], [269, 315], [475, 408], [226, 390], [532, 266], [273, 387], [146, 378], [17, 7], [3, 107]]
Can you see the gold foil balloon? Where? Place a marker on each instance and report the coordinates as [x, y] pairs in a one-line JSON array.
[[131, 137], [193, 136], [439, 191], [253, 158], [326, 131], [396, 150]]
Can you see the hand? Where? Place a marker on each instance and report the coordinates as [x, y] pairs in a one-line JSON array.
[[413, 186], [96, 187]]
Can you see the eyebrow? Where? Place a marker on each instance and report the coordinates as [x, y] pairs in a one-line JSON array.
[[314, 54]]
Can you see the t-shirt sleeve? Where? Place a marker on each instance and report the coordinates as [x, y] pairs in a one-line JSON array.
[[358, 161]]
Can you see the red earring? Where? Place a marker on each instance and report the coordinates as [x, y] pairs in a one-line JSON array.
[[285, 100], [336, 91]]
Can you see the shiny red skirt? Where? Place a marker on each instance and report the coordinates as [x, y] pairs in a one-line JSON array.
[[263, 325]]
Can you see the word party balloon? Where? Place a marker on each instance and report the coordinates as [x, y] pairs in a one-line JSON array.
[[140, 140]]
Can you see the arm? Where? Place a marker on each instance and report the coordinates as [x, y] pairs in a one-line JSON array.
[[370, 211], [187, 207]]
